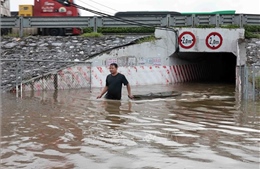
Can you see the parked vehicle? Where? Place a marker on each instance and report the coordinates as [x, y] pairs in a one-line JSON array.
[[51, 8]]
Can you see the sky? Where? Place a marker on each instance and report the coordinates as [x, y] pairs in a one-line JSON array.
[[113, 6]]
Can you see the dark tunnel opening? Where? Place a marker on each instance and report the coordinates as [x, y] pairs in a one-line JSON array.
[[218, 67]]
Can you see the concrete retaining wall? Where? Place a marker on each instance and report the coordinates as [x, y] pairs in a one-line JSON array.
[[155, 62]]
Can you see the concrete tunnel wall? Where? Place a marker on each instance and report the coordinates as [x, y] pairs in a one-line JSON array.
[[158, 63], [215, 67], [154, 62]]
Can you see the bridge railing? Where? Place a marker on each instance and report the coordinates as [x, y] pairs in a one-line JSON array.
[[95, 22]]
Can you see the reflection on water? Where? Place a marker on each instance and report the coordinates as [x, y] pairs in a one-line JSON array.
[[203, 128]]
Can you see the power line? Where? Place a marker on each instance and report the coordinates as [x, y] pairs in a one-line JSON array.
[[67, 3], [110, 16], [92, 6], [104, 5]]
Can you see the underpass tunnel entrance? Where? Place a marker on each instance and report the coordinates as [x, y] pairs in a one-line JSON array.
[[208, 67]]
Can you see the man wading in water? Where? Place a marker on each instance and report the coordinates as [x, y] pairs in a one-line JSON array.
[[114, 83]]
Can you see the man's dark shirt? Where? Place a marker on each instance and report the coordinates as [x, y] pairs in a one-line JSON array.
[[114, 84]]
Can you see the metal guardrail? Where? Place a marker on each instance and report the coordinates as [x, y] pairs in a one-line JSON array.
[[57, 22], [95, 22], [148, 21], [10, 22]]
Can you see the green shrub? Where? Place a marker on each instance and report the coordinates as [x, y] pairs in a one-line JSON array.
[[12, 35], [126, 30], [249, 35], [205, 26], [230, 26], [92, 35], [252, 28], [251, 31], [121, 30], [151, 38], [87, 30]]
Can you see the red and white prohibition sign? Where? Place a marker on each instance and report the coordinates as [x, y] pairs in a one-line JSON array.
[[187, 40], [214, 40]]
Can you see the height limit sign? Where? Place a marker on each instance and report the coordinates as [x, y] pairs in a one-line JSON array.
[[214, 40], [187, 40]]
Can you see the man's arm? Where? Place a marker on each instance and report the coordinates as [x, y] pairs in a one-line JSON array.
[[129, 91], [103, 92]]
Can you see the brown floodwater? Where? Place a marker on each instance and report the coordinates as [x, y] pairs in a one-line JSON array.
[[205, 128]]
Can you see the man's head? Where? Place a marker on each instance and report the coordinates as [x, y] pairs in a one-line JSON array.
[[113, 68]]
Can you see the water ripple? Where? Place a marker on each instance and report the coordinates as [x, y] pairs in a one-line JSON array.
[[204, 128]]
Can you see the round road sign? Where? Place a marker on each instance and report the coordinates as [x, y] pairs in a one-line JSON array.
[[187, 40], [214, 40]]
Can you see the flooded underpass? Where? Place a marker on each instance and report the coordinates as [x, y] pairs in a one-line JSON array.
[[206, 127], [217, 67]]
